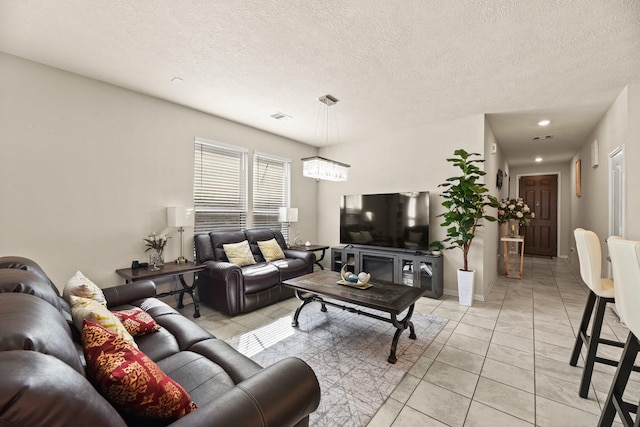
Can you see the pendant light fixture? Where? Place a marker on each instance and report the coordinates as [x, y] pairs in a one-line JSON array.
[[320, 167]]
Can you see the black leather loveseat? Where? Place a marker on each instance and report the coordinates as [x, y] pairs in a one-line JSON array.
[[43, 369], [231, 289]]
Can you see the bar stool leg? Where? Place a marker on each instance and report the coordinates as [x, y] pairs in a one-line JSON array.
[[582, 332], [592, 346], [620, 380]]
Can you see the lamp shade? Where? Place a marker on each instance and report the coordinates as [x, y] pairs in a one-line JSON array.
[[179, 216], [288, 214]]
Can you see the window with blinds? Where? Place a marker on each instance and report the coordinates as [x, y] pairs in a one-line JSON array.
[[271, 191], [219, 186]]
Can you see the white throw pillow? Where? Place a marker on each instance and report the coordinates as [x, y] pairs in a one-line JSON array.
[[80, 286]]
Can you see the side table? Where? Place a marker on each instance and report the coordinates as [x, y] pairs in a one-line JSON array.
[[517, 240], [169, 270], [312, 248]]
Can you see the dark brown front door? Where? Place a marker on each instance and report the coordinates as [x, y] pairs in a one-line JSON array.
[[540, 192]]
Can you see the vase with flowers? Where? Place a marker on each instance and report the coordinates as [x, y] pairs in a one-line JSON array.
[[157, 244], [516, 213]]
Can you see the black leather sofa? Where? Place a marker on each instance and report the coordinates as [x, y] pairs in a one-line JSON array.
[[231, 289], [43, 371]]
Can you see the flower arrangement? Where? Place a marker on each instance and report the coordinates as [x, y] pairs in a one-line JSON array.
[[156, 242], [515, 209]]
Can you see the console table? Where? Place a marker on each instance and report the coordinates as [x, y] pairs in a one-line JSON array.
[[312, 248], [517, 240], [403, 267], [169, 270]]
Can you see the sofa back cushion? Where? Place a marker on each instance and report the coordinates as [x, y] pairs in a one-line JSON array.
[[261, 235], [221, 238], [30, 282], [209, 246], [21, 263], [40, 390], [30, 323]]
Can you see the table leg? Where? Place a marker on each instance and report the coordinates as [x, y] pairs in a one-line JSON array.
[[318, 262], [401, 325], [506, 257], [304, 301], [521, 258], [191, 291]]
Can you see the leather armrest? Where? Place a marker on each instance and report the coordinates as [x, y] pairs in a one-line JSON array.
[[221, 269], [279, 395], [124, 294], [307, 256]]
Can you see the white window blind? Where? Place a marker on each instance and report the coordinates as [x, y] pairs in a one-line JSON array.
[[219, 186], [271, 191]]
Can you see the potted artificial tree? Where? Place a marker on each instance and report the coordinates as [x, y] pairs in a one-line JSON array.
[[465, 200]]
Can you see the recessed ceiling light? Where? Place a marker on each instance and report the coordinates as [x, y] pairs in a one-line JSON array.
[[538, 159], [544, 122], [176, 80]]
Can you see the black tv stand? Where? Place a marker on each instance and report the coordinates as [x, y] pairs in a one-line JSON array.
[[400, 266]]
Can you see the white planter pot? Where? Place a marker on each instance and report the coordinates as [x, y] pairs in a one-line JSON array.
[[465, 286]]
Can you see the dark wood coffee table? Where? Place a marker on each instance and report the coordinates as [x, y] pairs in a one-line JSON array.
[[389, 298]]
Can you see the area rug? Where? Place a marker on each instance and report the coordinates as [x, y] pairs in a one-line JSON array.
[[348, 353]]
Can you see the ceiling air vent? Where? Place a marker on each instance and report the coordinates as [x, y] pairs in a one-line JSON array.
[[280, 116], [539, 138]]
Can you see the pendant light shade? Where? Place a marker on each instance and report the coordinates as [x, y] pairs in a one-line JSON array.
[[320, 168]]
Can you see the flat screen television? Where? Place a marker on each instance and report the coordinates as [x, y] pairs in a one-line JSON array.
[[391, 220]]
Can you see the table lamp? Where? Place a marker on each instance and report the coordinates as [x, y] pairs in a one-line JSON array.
[[180, 217], [287, 216]]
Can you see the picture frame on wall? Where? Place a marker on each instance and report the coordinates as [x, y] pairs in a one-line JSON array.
[[578, 180]]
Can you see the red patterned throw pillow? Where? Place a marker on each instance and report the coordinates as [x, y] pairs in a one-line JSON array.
[[137, 321], [129, 379]]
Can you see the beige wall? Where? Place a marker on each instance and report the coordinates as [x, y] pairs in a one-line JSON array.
[[619, 126], [88, 169], [408, 160]]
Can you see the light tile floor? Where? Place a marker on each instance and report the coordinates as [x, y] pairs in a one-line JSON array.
[[501, 362]]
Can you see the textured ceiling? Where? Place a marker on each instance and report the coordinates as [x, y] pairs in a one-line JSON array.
[[393, 64]]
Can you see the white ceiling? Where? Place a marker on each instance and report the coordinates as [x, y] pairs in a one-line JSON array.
[[393, 64]]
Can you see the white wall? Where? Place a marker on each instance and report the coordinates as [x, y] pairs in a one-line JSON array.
[[406, 160], [88, 169], [491, 246], [619, 126]]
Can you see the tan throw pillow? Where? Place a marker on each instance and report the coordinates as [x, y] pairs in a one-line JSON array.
[[87, 309], [80, 286], [271, 250], [239, 253]]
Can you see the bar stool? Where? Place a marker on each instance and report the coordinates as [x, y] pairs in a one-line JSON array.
[[625, 259], [601, 292]]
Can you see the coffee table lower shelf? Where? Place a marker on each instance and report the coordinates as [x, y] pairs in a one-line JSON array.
[[400, 325]]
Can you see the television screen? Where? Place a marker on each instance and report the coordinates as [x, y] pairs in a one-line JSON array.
[[393, 220]]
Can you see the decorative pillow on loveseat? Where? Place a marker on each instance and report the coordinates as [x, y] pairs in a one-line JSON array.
[[136, 321], [239, 253], [129, 379], [271, 250]]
